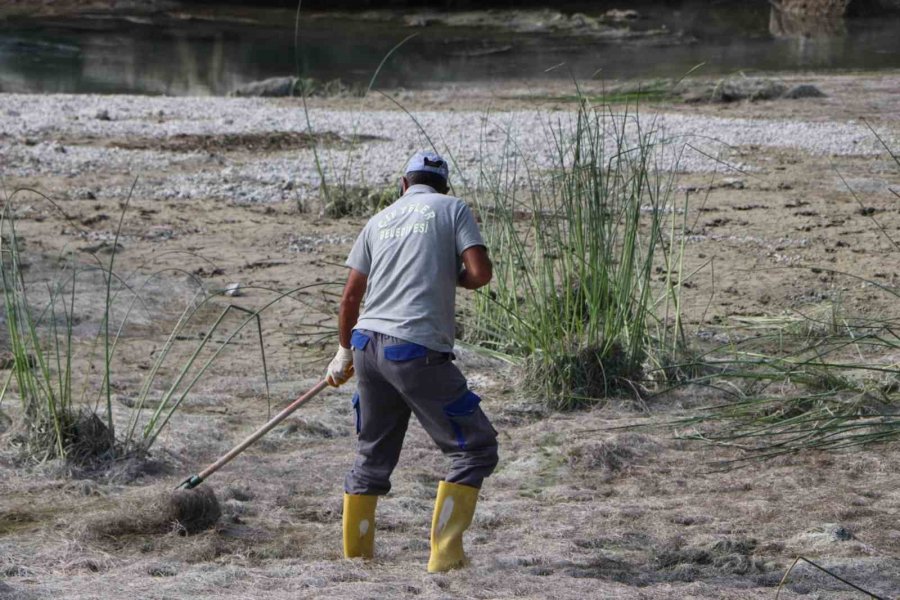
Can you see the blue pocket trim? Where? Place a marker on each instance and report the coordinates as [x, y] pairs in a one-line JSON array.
[[358, 340], [356, 410], [402, 352], [463, 407]]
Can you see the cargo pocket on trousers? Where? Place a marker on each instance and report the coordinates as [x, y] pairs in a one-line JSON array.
[[462, 416], [358, 340], [356, 410], [404, 352]]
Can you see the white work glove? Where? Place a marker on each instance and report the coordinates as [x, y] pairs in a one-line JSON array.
[[340, 369]]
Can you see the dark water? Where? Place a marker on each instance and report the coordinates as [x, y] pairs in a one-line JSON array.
[[177, 55]]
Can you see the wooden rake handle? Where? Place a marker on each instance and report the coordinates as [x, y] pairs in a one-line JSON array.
[[195, 480]]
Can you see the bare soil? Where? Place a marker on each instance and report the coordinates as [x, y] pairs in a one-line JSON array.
[[576, 509]]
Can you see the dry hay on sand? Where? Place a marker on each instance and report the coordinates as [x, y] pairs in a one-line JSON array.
[[158, 510]]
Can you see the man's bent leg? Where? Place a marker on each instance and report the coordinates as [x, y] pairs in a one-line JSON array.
[[381, 421], [452, 416]]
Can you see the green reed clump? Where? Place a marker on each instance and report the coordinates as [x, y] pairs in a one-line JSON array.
[[41, 370], [575, 252]]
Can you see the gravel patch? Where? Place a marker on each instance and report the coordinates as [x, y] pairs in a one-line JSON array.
[[69, 136]]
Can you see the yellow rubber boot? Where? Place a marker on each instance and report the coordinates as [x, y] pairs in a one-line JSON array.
[[453, 512], [359, 525]]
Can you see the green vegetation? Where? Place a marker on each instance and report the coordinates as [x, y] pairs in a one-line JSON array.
[[575, 253], [626, 94]]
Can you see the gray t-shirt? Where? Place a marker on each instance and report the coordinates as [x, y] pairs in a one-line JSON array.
[[411, 254]]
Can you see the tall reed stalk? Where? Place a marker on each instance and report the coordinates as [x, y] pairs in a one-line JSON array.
[[41, 364]]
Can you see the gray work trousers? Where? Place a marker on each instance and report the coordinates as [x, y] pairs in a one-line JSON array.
[[396, 378]]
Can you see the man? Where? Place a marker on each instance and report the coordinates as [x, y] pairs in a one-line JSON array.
[[407, 262]]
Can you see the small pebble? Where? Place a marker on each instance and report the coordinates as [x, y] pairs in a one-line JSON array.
[[841, 534], [161, 571]]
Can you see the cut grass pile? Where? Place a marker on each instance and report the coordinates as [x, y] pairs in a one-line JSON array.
[[158, 510], [827, 392]]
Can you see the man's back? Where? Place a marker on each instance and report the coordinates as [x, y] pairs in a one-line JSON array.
[[410, 252]]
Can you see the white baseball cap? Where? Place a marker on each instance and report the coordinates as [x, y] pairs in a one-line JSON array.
[[429, 162]]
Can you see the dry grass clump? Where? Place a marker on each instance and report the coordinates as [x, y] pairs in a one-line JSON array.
[[90, 438], [194, 510], [730, 556], [152, 520], [609, 458], [158, 511], [357, 201]]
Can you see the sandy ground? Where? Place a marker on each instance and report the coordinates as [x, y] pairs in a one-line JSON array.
[[576, 509]]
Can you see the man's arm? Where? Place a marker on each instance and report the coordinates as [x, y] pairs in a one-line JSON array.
[[341, 367], [354, 290], [477, 271]]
